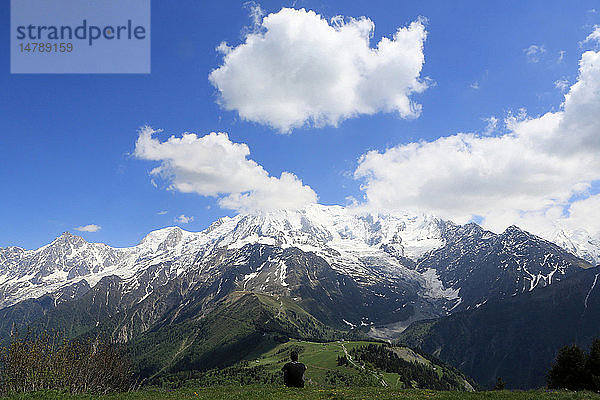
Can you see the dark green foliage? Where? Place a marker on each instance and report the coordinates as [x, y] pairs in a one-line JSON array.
[[343, 360], [569, 370], [289, 349], [340, 378], [50, 361], [592, 366], [575, 370], [411, 373], [499, 384], [239, 374]]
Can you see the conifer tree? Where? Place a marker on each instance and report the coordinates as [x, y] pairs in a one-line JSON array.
[[592, 366], [569, 370]]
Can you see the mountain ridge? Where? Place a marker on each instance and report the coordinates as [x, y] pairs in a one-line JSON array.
[[359, 270], [343, 238]]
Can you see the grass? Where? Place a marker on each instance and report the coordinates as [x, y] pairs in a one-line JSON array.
[[260, 392]]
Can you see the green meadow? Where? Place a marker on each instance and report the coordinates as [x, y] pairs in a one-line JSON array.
[[261, 392]]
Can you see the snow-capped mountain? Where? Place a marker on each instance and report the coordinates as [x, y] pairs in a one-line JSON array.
[[365, 247], [486, 266], [577, 241], [341, 265]]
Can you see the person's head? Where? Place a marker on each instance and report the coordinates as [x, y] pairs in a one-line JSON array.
[[294, 355]]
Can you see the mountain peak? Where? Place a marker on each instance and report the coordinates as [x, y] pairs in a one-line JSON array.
[[578, 241], [165, 238], [513, 229], [68, 238]]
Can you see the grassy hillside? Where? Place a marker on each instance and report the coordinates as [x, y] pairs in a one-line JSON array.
[[244, 325], [321, 360], [334, 364], [261, 392]]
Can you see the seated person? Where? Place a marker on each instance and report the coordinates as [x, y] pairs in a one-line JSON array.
[[293, 372]]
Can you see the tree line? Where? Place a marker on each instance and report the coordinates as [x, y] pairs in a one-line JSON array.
[[411, 373]]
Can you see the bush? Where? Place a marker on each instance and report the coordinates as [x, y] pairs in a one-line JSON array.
[[50, 361]]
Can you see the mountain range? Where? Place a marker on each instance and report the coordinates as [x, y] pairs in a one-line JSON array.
[[319, 273]]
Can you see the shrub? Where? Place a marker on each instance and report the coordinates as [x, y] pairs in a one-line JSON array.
[[50, 361], [499, 384]]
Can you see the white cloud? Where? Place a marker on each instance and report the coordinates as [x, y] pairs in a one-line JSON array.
[[534, 52], [594, 36], [212, 165], [527, 176], [163, 212], [562, 85], [475, 85], [561, 55], [584, 214], [88, 228], [299, 69], [182, 219]]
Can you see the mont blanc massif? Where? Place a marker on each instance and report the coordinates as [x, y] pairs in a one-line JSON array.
[[488, 304]]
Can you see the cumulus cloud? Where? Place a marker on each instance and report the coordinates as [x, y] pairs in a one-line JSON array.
[[182, 219], [212, 165], [594, 36], [534, 52], [527, 176], [88, 228], [300, 69], [584, 213]]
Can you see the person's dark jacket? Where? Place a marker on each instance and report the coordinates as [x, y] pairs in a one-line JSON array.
[[293, 374]]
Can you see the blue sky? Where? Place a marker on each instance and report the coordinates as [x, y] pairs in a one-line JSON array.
[[68, 141]]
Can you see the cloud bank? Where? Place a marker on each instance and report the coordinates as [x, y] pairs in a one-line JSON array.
[[299, 69], [528, 176], [214, 166]]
